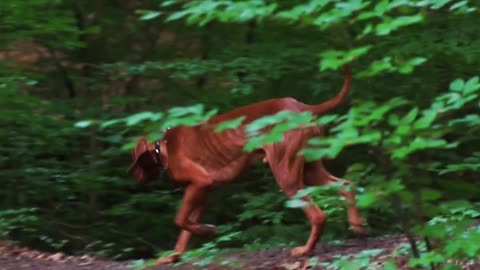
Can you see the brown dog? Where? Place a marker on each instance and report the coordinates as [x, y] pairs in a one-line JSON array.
[[201, 159]]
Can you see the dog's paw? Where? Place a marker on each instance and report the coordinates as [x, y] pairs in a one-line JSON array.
[[359, 228], [168, 259], [300, 251]]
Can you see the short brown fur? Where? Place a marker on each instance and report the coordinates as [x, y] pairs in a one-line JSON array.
[[201, 159]]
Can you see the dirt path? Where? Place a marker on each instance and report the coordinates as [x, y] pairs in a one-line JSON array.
[[16, 258], [279, 258]]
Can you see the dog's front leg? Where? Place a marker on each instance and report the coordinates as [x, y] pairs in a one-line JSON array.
[[183, 238], [194, 197]]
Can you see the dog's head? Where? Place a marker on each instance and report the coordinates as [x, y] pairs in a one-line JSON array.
[[144, 167]]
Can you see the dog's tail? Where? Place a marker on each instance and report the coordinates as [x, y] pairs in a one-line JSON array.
[[338, 99]]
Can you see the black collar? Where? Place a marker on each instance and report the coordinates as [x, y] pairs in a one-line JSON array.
[[158, 156]]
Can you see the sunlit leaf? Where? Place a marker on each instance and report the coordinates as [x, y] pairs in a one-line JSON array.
[[389, 24], [110, 123], [471, 86], [296, 203], [389, 265], [366, 199], [84, 123], [229, 124], [142, 116], [332, 59], [149, 14], [457, 85], [408, 66]]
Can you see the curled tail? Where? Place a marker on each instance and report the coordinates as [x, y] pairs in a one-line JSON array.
[[338, 99]]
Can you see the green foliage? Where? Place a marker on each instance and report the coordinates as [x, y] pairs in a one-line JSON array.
[[21, 20], [282, 121], [333, 59], [453, 233], [399, 135], [361, 260], [326, 196], [81, 80], [202, 12], [209, 253], [399, 141], [232, 124], [17, 221]]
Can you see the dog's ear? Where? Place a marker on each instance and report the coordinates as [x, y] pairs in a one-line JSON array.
[[141, 149], [143, 166]]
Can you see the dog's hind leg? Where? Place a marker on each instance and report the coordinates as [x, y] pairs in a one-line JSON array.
[[287, 169], [315, 174]]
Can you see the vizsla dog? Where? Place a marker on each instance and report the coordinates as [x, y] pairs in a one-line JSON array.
[[201, 159]]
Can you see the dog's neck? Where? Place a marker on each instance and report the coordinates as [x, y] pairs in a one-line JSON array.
[[160, 154]]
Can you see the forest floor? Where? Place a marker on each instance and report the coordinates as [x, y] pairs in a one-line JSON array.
[[19, 258]]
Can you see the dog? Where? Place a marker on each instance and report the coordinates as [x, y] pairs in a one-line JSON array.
[[200, 159]]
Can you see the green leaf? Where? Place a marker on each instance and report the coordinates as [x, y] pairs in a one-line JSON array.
[[139, 117], [167, 3], [471, 86], [227, 237], [110, 123], [451, 266], [182, 111], [305, 192], [290, 120], [430, 194], [149, 14], [435, 4], [327, 119], [84, 123], [389, 24], [377, 66], [407, 66], [459, 5], [394, 186], [428, 116], [457, 85], [410, 117], [177, 15], [333, 59], [376, 112], [420, 143], [231, 124], [296, 203], [426, 259], [390, 265], [370, 252], [367, 199]]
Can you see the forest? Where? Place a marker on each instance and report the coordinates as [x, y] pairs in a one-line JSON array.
[[81, 81]]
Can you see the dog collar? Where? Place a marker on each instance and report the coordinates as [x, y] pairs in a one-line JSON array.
[[158, 156]]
